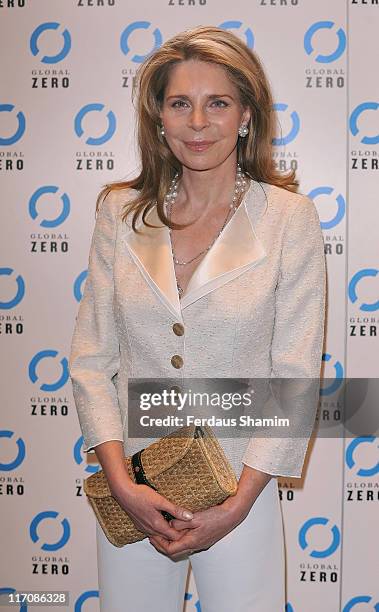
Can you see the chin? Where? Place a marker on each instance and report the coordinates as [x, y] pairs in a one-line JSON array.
[[203, 162], [199, 165]]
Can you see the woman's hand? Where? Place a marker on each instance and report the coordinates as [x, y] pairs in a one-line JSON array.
[[143, 505], [141, 502], [209, 526], [206, 528]]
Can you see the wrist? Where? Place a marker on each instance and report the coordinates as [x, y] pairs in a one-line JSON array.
[[237, 507], [122, 486]]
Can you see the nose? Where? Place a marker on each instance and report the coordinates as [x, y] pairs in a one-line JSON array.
[[198, 118]]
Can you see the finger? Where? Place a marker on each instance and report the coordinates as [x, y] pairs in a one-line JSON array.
[[154, 542], [159, 543], [164, 529], [183, 545], [175, 510], [179, 556], [179, 525], [170, 533], [182, 533]]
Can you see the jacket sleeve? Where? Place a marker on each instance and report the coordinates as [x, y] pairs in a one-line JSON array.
[[296, 350], [94, 357]]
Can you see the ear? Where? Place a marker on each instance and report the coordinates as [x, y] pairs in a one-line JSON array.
[[246, 115]]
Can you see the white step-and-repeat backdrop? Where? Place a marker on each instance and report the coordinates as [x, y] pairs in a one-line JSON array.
[[66, 128]]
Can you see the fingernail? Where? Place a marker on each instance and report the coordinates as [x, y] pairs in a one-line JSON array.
[[187, 514]]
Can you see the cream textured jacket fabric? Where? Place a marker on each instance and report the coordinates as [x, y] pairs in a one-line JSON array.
[[254, 308]]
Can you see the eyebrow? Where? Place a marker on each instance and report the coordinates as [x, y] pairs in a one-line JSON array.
[[211, 96]]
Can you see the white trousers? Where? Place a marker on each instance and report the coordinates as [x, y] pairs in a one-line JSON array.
[[243, 572]]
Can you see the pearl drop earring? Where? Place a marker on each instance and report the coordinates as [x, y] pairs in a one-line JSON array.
[[162, 131]]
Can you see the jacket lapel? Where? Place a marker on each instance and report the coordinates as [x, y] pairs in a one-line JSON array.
[[236, 250]]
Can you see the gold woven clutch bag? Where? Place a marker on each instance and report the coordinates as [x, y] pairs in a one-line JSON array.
[[188, 467]]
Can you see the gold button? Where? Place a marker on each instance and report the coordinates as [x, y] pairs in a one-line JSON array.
[[177, 361], [176, 388], [178, 329]]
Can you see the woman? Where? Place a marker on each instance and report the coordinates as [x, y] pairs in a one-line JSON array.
[[224, 277]]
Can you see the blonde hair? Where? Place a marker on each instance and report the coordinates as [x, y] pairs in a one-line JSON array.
[[159, 165]]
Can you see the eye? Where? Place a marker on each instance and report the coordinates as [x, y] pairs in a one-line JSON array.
[[177, 102], [222, 102]]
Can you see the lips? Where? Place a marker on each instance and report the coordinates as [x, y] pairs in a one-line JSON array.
[[199, 145]]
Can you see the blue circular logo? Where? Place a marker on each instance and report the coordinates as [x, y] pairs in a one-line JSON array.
[[33, 203], [353, 122], [359, 599], [20, 289], [319, 553], [294, 130], [66, 44], [247, 33], [341, 206], [139, 25], [48, 354], [341, 42], [19, 458], [47, 515], [83, 598], [20, 129], [78, 285], [78, 457], [110, 130], [350, 461], [337, 382], [352, 289]]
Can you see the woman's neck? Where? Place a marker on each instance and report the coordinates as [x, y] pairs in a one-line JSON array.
[[206, 190]]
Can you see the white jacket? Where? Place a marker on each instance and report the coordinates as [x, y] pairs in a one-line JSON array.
[[254, 308]]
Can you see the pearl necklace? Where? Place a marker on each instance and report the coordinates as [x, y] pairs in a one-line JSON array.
[[170, 198]]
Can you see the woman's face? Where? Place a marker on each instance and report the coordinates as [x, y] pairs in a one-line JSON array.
[[201, 105]]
